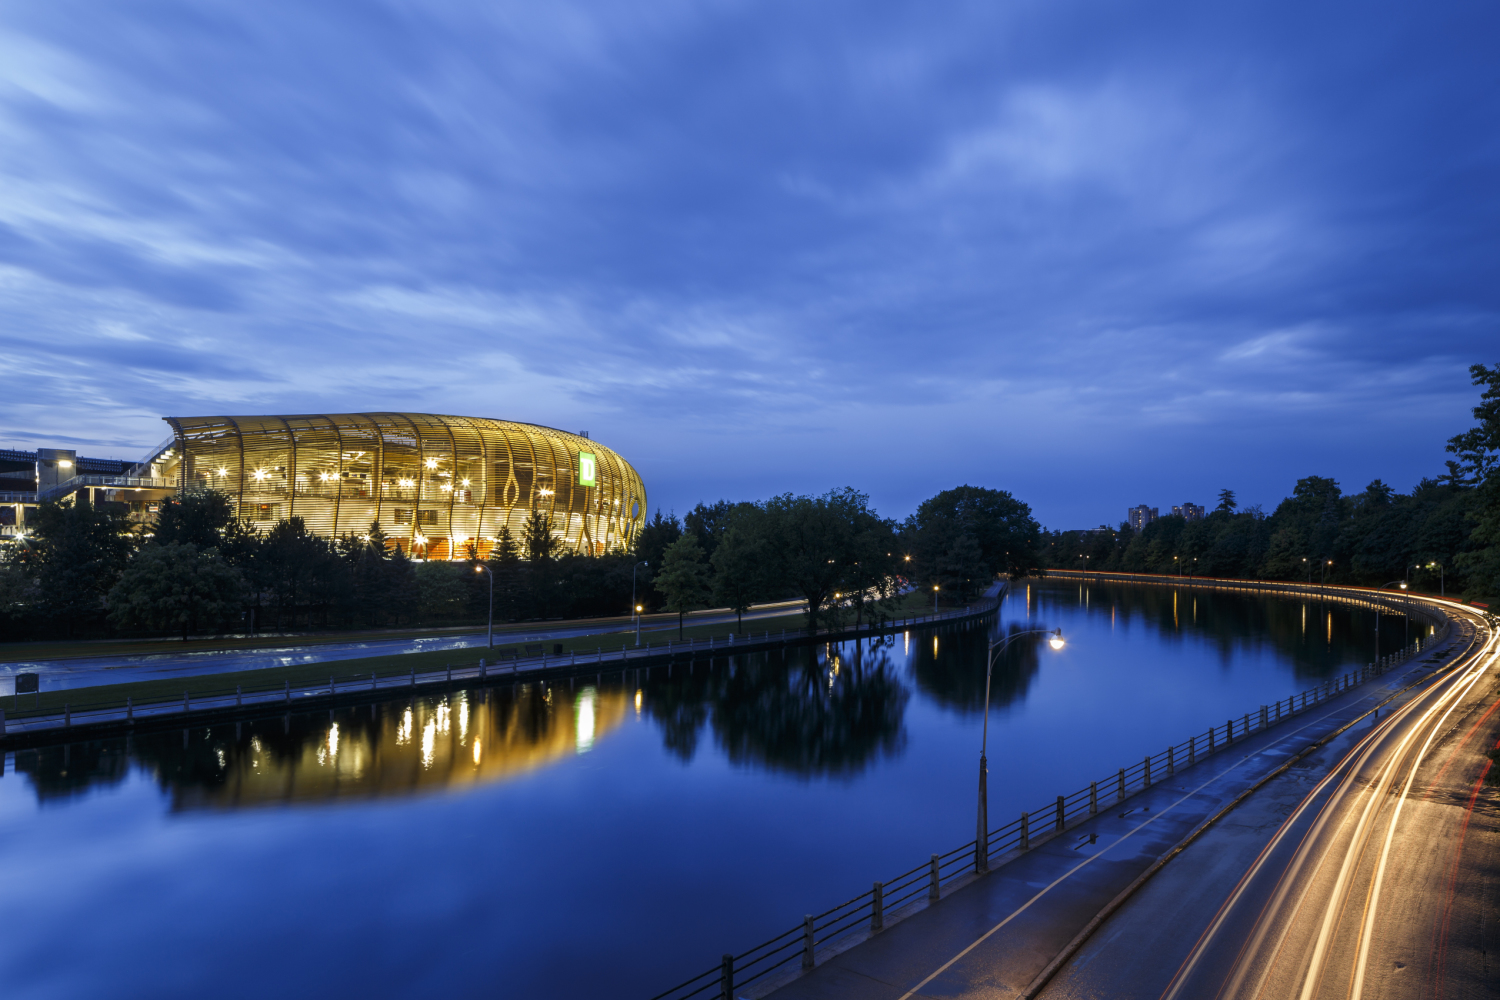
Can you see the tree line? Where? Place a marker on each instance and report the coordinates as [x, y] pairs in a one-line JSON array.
[[1443, 534], [86, 570]]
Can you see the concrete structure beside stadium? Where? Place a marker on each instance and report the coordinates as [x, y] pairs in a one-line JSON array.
[[437, 484]]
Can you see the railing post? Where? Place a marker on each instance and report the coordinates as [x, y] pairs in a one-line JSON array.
[[288, 688], [1146, 773], [1211, 747], [807, 941], [67, 714], [239, 696], [1264, 718], [933, 883], [129, 710], [1093, 798], [1171, 761], [726, 978], [1192, 750], [1060, 812], [186, 705], [1025, 832], [877, 908], [1245, 729], [1228, 732], [1121, 797]]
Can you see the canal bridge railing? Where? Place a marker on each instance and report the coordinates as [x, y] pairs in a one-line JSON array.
[[92, 717], [787, 955]]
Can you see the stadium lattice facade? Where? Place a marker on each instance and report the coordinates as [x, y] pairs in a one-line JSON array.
[[438, 485]]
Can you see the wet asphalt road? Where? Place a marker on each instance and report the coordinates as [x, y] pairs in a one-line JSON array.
[[1368, 872], [994, 936]]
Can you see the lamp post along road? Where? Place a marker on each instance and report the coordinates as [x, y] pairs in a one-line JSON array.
[[982, 836], [490, 637]]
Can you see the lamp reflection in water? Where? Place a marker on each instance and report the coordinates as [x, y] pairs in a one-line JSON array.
[[583, 727]]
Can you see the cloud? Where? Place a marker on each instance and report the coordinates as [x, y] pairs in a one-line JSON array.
[[809, 244]]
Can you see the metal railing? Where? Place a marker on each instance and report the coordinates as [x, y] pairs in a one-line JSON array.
[[105, 482], [869, 910]]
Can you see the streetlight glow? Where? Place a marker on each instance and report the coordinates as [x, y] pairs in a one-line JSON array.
[[981, 839]]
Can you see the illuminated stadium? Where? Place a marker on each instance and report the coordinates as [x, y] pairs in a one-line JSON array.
[[436, 484]]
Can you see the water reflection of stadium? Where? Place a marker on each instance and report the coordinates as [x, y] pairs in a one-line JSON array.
[[466, 738]]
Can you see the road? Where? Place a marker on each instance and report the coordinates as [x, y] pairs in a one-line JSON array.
[[1369, 872], [1413, 739], [88, 671]]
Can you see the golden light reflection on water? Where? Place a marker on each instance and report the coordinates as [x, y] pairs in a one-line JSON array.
[[465, 739]]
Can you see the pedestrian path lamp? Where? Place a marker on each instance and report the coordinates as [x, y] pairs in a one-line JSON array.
[[982, 838], [490, 638], [632, 599]]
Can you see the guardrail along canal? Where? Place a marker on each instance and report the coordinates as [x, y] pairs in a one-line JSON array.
[[602, 834]]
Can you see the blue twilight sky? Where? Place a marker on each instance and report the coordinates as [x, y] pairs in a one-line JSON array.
[[1095, 253]]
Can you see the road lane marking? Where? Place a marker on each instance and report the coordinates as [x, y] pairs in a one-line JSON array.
[[1362, 751], [1368, 926], [1240, 763]]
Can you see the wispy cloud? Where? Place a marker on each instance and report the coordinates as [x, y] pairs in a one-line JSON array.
[[766, 247]]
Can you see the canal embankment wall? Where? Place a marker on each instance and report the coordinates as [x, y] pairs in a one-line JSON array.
[[126, 713]]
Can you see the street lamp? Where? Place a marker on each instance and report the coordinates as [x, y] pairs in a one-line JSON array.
[[1309, 570], [1442, 590], [934, 599], [632, 599], [1323, 571], [482, 568], [982, 838]]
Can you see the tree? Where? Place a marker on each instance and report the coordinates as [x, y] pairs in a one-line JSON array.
[[709, 522], [198, 517], [537, 537], [443, 589], [871, 577], [1226, 502], [683, 580], [299, 567], [812, 542], [506, 551], [402, 591], [176, 586], [652, 541], [76, 554], [370, 558], [505, 565], [999, 524], [1478, 451], [739, 564]]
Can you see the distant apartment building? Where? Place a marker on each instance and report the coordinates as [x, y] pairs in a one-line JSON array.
[[1141, 516], [1188, 512]]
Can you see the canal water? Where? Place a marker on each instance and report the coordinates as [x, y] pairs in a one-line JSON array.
[[605, 837]]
